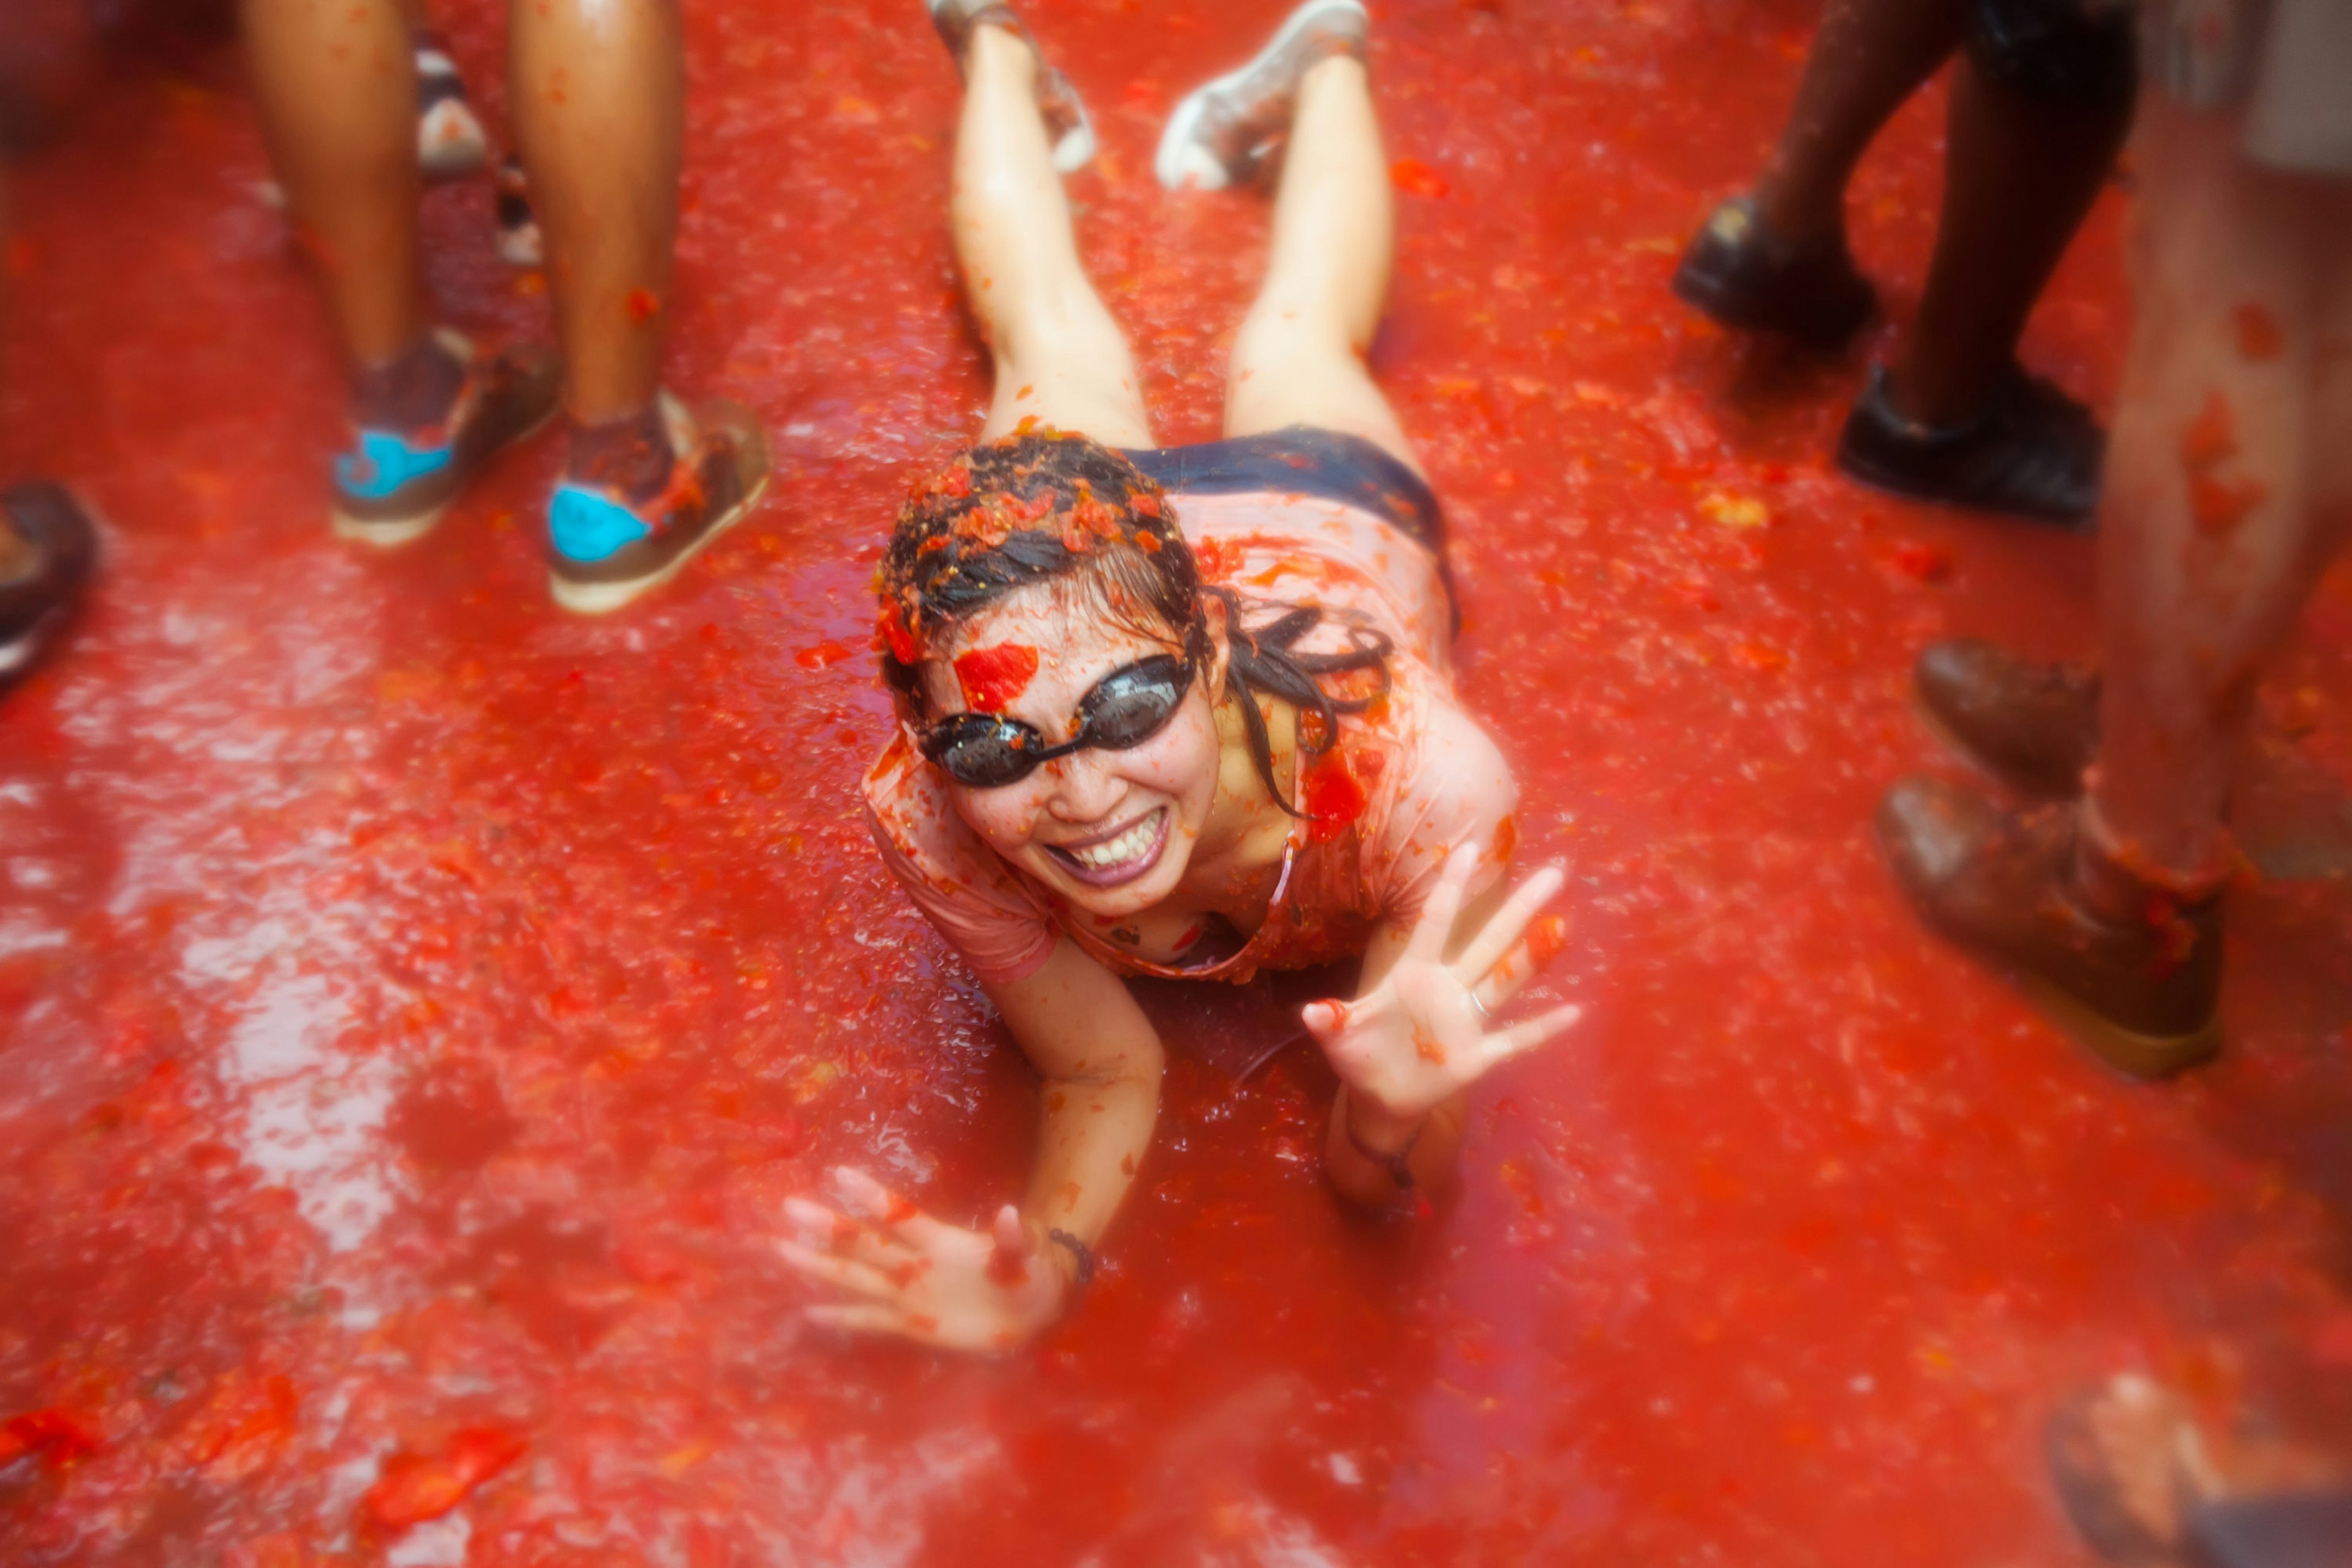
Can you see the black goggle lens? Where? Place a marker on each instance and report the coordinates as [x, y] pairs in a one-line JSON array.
[[1118, 712]]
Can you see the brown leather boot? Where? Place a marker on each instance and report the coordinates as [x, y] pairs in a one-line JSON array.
[[2034, 726], [2131, 970]]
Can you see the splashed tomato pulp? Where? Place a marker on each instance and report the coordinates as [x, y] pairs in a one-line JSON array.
[[427, 999]]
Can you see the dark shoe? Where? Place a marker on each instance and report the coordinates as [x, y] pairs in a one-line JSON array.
[[393, 485], [1741, 274], [2140, 990], [2034, 726], [37, 599], [1219, 135], [2034, 452], [604, 550]]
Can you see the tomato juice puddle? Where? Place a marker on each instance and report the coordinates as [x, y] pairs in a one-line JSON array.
[[415, 1006]]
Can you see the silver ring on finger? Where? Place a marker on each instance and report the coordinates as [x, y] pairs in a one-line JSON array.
[[1485, 1016]]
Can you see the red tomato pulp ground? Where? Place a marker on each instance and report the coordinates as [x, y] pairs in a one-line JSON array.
[[417, 1002]]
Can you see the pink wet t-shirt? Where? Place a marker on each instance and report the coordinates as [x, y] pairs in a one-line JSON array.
[[1408, 779]]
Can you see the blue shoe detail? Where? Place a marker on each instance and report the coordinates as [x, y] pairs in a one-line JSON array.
[[385, 464], [586, 525]]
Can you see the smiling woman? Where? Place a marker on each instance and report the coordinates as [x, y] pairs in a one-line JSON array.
[[1181, 712]]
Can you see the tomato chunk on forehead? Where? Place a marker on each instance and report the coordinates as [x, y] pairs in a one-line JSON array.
[[994, 677]]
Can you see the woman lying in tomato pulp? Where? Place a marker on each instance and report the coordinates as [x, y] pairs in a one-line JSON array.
[[1183, 711]]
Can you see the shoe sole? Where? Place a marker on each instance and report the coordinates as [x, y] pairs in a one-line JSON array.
[[392, 532], [2134, 1055], [603, 598], [1864, 472], [1168, 163]]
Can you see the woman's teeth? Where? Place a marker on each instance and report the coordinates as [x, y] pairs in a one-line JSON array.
[[1121, 849]]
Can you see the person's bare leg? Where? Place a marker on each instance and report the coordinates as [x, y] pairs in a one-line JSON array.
[[597, 90], [1868, 58], [2020, 175], [2210, 540], [1059, 356], [337, 89], [1299, 356]]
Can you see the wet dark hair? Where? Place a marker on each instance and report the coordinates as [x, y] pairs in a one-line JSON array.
[[1044, 507]]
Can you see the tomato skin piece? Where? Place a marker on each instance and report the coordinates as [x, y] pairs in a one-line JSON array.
[[60, 1436], [1331, 797], [994, 677], [1415, 178], [414, 1489], [897, 637]]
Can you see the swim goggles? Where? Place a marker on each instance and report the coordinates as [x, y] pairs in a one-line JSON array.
[[1118, 712]]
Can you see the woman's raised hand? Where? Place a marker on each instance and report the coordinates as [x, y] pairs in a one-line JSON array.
[[1420, 1035], [910, 1275]]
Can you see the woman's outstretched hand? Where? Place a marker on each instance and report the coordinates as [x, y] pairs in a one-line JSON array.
[[1422, 1035], [910, 1275]]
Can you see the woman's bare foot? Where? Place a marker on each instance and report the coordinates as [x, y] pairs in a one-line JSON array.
[[1067, 124]]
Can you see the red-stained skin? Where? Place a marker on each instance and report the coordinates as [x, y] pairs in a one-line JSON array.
[[2217, 503], [993, 677], [561, 946], [2260, 339]]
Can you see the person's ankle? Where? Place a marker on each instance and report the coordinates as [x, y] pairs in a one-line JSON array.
[[1000, 45], [631, 456], [1797, 220], [2117, 879], [1933, 397], [413, 389]]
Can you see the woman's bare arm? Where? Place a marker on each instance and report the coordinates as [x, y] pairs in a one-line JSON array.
[[904, 1272], [1101, 1061]]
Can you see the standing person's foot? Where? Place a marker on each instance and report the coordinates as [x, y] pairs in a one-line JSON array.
[[48, 549], [1226, 133], [2032, 725], [401, 475], [2132, 969], [451, 141], [609, 539], [519, 242], [2143, 1486], [1744, 275], [1067, 125], [2033, 451]]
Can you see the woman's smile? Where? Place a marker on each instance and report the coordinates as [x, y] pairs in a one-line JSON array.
[[1119, 856]]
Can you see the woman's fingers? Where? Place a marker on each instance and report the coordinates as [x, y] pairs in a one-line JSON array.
[[1428, 941], [1504, 927], [845, 1273], [858, 1316], [821, 1229], [868, 1199], [1526, 1037]]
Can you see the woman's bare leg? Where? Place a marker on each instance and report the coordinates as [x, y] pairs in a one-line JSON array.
[[1059, 356], [1299, 356], [2224, 500]]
